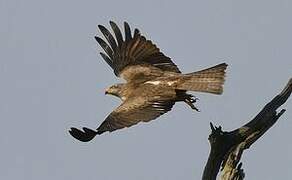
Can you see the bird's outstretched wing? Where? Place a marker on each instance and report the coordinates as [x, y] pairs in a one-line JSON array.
[[134, 53], [127, 114]]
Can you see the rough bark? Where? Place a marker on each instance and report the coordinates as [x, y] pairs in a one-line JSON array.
[[227, 147]]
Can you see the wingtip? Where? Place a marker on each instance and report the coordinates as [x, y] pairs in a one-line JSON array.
[[101, 27], [102, 43], [128, 34], [126, 23], [84, 136], [112, 22], [97, 38], [136, 32]]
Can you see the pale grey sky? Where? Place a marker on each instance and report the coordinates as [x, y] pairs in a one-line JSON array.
[[52, 78]]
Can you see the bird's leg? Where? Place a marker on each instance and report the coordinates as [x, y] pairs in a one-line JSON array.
[[190, 101]]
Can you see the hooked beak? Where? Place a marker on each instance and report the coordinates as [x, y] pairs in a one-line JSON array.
[[106, 91]]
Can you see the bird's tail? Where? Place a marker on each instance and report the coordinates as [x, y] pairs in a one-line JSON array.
[[209, 80]]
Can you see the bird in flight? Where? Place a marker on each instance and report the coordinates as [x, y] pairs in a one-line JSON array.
[[153, 82]]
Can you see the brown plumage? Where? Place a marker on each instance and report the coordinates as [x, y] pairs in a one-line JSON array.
[[154, 82]]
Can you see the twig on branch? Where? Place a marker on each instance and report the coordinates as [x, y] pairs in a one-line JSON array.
[[227, 147]]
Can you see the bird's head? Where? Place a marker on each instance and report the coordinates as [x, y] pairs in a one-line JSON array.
[[115, 90]]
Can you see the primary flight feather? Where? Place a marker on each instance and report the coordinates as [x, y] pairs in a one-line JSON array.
[[153, 82]]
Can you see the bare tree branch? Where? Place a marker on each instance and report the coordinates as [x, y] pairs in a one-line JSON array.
[[227, 147]]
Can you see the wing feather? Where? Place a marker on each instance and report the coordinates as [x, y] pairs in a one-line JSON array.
[[126, 115], [134, 50], [108, 60], [133, 112], [136, 32], [141, 47], [108, 36], [117, 32], [105, 47], [128, 35]]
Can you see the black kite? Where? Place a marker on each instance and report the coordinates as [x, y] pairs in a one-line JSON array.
[[154, 82]]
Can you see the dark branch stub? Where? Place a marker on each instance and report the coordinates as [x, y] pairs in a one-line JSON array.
[[227, 147]]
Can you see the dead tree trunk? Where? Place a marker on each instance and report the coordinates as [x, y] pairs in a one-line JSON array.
[[227, 147]]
